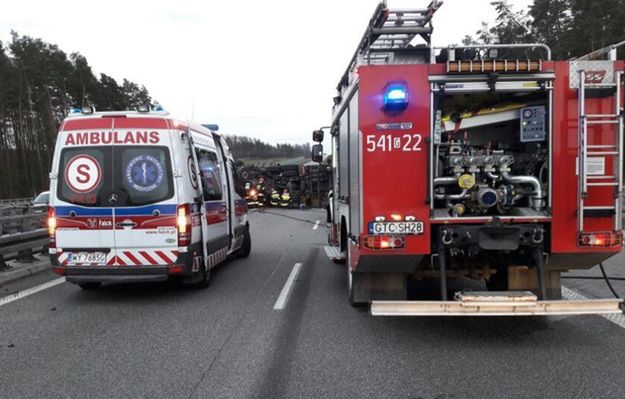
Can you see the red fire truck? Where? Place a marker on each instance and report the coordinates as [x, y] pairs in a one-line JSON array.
[[471, 177]]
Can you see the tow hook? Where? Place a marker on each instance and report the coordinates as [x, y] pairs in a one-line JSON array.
[[538, 236], [446, 237]]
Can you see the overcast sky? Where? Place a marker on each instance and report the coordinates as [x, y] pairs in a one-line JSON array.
[[266, 69]]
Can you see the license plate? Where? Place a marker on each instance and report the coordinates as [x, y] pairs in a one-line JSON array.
[[403, 228], [87, 257]]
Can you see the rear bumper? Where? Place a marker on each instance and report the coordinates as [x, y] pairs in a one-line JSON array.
[[127, 274], [116, 274], [496, 304]]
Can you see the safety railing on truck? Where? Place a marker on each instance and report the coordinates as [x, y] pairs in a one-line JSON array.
[[23, 233]]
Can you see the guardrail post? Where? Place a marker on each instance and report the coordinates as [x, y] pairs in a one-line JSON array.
[[3, 264], [25, 256]]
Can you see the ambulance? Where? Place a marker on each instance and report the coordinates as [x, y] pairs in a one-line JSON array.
[[141, 196]]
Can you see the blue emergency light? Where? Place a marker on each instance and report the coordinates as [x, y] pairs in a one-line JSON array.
[[395, 97]]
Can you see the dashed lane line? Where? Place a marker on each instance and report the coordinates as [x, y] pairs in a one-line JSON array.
[[316, 226], [616, 318], [31, 291], [288, 286]]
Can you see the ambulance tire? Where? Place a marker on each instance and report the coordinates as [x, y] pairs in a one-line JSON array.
[[90, 286], [205, 280], [246, 246]]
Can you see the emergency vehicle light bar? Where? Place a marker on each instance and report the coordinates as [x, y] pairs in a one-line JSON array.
[[87, 109], [396, 97]]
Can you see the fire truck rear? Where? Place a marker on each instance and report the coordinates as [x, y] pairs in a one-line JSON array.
[[467, 179]]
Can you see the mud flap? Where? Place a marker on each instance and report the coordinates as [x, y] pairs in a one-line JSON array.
[[379, 286]]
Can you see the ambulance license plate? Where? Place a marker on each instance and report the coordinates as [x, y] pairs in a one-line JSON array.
[[404, 228], [86, 257]]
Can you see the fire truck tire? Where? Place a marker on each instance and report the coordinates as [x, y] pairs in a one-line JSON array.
[[90, 286], [205, 280], [246, 246]]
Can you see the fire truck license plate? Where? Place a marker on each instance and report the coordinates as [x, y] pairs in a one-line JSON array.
[[87, 257], [406, 228]]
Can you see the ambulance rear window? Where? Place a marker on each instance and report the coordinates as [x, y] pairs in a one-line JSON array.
[[85, 175], [115, 176]]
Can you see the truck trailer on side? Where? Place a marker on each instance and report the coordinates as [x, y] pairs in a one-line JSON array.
[[473, 177]]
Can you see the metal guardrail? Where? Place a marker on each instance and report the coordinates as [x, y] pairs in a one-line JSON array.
[[15, 201], [22, 232]]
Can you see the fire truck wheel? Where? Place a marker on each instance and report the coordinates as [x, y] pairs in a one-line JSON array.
[[205, 281], [90, 286]]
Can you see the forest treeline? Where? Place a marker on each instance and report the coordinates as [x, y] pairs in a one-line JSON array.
[[571, 28], [247, 147], [39, 85]]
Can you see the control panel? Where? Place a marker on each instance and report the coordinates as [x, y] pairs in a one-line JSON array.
[[533, 124]]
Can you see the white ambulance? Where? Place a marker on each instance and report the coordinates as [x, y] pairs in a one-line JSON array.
[[141, 196]]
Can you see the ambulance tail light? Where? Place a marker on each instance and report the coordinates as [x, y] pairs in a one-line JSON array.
[[603, 239], [384, 242], [52, 226], [183, 223]]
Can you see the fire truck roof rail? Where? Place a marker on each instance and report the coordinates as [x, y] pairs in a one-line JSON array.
[[390, 31], [610, 51], [532, 46]]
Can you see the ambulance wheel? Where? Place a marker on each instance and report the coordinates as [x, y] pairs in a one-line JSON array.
[[90, 286], [205, 281], [246, 246]]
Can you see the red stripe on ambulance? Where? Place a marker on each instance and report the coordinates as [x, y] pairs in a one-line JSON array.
[[147, 257], [130, 256]]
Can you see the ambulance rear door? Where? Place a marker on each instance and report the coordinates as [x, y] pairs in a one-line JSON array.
[[82, 181], [145, 196]]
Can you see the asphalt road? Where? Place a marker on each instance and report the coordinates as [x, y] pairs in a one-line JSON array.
[[228, 341]]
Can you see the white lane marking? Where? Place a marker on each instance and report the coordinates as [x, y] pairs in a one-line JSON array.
[[288, 286], [316, 226], [30, 291], [616, 318]]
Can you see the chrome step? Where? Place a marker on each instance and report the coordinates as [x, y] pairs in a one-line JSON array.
[[495, 304], [333, 253]]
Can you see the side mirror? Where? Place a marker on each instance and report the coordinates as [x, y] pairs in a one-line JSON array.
[[317, 153], [318, 136]]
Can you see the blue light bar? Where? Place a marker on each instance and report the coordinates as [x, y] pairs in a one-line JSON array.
[[211, 126], [396, 97]]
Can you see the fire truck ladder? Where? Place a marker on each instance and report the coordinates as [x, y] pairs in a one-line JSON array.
[[391, 31], [588, 150]]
